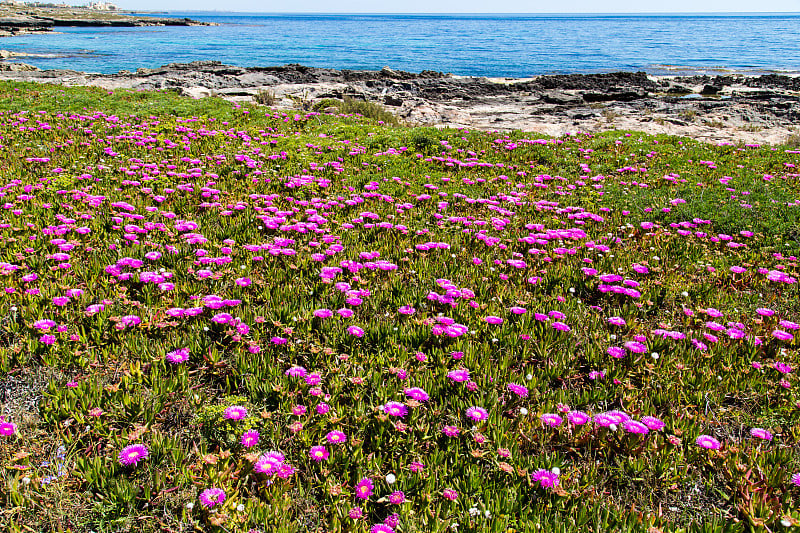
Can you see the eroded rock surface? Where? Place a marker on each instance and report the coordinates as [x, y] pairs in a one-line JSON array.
[[721, 108]]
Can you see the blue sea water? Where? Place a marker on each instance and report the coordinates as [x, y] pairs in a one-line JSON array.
[[478, 45]]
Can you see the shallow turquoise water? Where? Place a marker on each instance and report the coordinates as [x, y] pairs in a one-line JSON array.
[[483, 45]]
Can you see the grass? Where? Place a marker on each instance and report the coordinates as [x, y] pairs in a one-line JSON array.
[[164, 260]]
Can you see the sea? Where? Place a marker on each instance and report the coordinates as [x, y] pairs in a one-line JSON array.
[[472, 45]]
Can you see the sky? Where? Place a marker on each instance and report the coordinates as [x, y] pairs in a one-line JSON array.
[[466, 6]]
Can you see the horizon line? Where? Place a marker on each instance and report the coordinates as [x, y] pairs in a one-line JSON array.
[[667, 13]]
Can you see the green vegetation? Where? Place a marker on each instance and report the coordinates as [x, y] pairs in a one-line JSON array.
[[227, 318]]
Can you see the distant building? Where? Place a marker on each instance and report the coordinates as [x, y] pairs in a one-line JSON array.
[[102, 6]]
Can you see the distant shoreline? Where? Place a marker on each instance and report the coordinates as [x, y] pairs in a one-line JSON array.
[[26, 19]]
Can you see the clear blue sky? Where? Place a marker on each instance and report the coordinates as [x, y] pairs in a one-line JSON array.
[[466, 6]]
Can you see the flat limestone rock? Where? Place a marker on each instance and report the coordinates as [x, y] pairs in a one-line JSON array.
[[749, 109]]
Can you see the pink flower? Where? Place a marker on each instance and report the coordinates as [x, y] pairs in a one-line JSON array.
[[132, 454], [451, 431], [355, 331], [395, 409], [250, 438], [336, 437], [364, 488], [632, 426], [551, 420], [578, 418], [708, 442], [519, 390], [450, 494], [616, 352], [211, 497], [397, 497], [459, 375], [546, 478], [7, 429], [235, 412], [478, 414], [760, 433], [635, 347], [494, 320], [319, 453], [178, 356]]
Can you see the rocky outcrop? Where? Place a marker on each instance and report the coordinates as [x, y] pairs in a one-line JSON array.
[[15, 20], [722, 108]]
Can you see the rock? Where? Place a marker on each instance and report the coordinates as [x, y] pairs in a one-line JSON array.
[[550, 105], [561, 98], [710, 90], [17, 67], [195, 92], [614, 95], [392, 100]]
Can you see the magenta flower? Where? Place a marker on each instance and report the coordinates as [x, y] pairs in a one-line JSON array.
[[708, 442], [7, 429], [418, 394], [495, 320], [450, 494], [47, 339], [782, 335], [235, 412], [519, 390], [319, 453], [545, 478], [243, 282], [132, 454], [397, 497], [336, 437], [381, 528], [635, 347], [552, 420], [211, 497], [451, 431], [796, 479], [653, 423], [250, 438], [270, 463], [355, 331], [578, 418], [323, 313], [459, 375], [478, 414], [296, 372], [364, 488], [560, 326], [395, 409], [178, 356], [616, 352], [406, 310], [633, 426], [760, 433]]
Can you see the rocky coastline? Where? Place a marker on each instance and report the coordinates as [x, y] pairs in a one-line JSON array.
[[20, 20], [722, 108]]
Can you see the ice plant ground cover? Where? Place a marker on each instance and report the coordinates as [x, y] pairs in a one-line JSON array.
[[226, 318]]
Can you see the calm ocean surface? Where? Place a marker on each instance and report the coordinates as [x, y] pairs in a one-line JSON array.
[[481, 45]]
